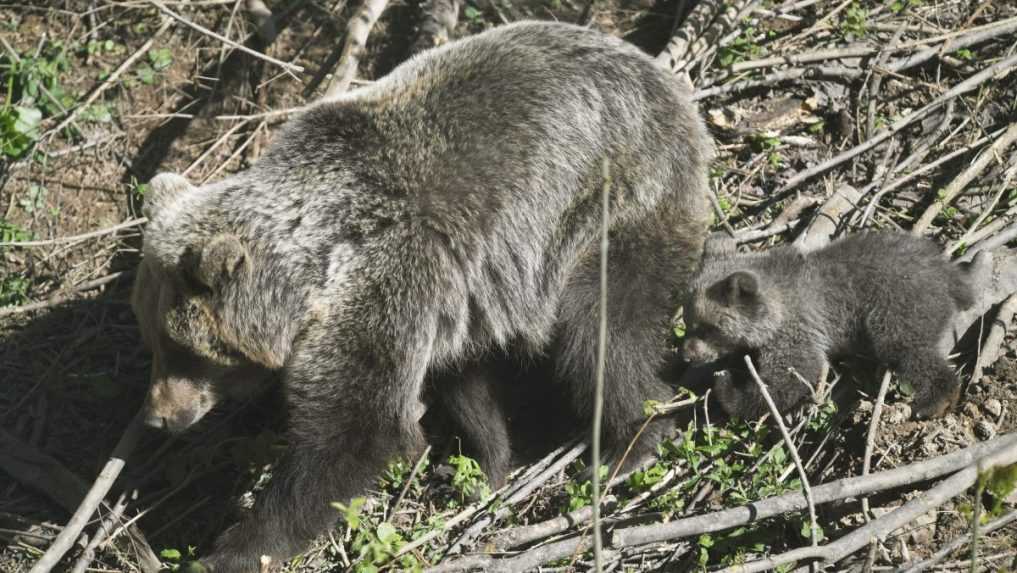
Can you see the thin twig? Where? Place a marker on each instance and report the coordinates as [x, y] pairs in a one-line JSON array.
[[870, 444], [848, 544], [778, 417], [291, 69], [994, 153], [958, 543], [64, 295], [77, 238], [417, 467], [598, 392]]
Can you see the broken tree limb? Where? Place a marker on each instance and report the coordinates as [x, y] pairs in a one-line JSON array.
[[880, 528], [355, 46], [93, 498], [792, 502], [995, 153], [437, 20], [997, 334], [828, 219], [993, 279]]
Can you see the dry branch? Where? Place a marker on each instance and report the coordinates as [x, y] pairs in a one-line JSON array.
[[95, 496], [291, 69], [879, 528], [791, 502], [356, 43], [994, 278], [1003, 66], [41, 472], [997, 335], [778, 418], [828, 219], [995, 153], [76, 238]]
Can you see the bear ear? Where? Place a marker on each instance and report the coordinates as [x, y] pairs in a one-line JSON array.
[[219, 262], [738, 286], [162, 190]]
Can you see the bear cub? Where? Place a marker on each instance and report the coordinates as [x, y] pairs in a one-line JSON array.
[[886, 296]]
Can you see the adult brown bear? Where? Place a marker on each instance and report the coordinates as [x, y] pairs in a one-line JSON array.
[[446, 213]]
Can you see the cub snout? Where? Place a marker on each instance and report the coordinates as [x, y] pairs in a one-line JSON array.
[[697, 351]]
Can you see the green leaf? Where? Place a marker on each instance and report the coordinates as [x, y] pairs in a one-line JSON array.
[[161, 58], [170, 554]]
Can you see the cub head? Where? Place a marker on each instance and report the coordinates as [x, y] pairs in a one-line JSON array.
[[180, 294], [728, 315]]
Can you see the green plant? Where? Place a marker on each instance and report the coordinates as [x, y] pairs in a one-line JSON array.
[[898, 6], [34, 199], [32, 90], [855, 23], [741, 49], [11, 233], [469, 480], [13, 290], [581, 493], [375, 543], [473, 15]]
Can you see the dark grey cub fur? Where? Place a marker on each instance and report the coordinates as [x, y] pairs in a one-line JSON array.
[[889, 296], [405, 232]]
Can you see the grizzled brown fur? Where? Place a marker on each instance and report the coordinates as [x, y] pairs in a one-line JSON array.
[[408, 231], [890, 296]]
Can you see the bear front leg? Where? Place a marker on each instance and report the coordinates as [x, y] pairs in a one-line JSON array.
[[353, 396]]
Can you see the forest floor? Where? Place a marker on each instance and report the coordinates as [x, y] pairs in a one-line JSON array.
[[893, 98]]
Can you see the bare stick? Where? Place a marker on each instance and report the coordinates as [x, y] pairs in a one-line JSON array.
[[105, 528], [994, 153], [413, 474], [291, 69], [828, 219], [870, 444], [779, 419], [791, 502], [1002, 66], [111, 80], [356, 43], [598, 392], [40, 471], [95, 495], [528, 533], [76, 238], [848, 544]]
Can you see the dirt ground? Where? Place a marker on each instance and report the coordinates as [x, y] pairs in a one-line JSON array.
[[73, 370]]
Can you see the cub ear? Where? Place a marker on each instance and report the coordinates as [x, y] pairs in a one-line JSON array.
[[162, 190], [220, 261], [738, 286]]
